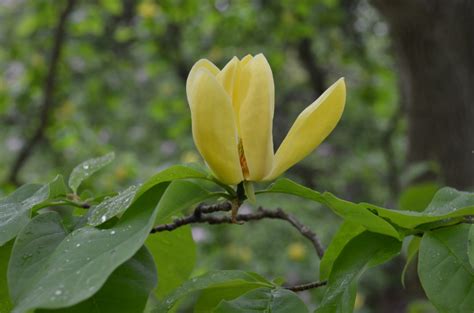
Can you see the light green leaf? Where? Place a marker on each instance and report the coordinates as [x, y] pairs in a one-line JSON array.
[[214, 279], [349, 211], [125, 291], [447, 203], [87, 168], [14, 209], [413, 248], [365, 250], [417, 197], [82, 262], [31, 251], [346, 232], [264, 300], [175, 256], [444, 269], [111, 207], [173, 173], [5, 303]]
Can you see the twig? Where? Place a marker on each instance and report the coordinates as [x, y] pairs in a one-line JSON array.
[[48, 94], [307, 286], [199, 217]]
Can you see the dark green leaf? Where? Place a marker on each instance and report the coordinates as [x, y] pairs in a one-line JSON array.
[[364, 250], [264, 300], [180, 195], [175, 256], [444, 269], [346, 232], [471, 246], [5, 303], [125, 291], [31, 251], [82, 262], [413, 248], [214, 279], [87, 168]]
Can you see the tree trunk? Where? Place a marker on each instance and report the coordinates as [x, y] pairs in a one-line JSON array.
[[433, 42]]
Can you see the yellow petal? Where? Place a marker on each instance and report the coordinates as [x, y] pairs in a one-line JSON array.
[[203, 63], [239, 85], [214, 130], [256, 116], [311, 127], [227, 76]]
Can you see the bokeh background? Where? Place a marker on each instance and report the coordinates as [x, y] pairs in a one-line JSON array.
[[82, 78]]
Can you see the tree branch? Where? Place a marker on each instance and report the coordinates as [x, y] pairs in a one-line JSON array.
[[48, 94], [200, 216], [307, 286]]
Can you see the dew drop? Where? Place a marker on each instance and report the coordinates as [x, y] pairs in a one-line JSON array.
[[58, 292], [78, 245], [112, 232], [85, 166]]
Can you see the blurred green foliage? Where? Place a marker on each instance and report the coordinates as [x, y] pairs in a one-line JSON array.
[[121, 87]]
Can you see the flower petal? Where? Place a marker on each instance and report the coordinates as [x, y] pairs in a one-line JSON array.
[[203, 63], [311, 127], [256, 116], [214, 129], [227, 76]]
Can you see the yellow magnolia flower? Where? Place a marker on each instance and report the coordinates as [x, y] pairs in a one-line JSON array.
[[232, 117]]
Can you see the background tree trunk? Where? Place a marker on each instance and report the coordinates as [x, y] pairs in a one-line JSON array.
[[433, 43]]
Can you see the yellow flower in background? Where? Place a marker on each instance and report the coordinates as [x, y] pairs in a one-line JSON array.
[[147, 9], [296, 251], [232, 116]]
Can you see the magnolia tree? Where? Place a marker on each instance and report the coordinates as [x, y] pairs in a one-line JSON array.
[[72, 251]]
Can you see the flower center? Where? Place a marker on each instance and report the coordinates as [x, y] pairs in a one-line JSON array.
[[243, 161]]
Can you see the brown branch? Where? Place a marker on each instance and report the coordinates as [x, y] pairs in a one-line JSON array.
[[199, 217], [307, 286], [48, 95]]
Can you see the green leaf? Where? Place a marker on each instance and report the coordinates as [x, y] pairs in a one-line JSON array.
[[214, 279], [5, 303], [81, 263], [346, 232], [211, 297], [417, 197], [444, 269], [447, 203], [57, 188], [180, 195], [111, 207], [264, 300], [175, 256], [470, 248], [125, 291], [349, 211], [173, 173], [365, 250], [14, 209], [87, 168], [31, 251], [413, 248]]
